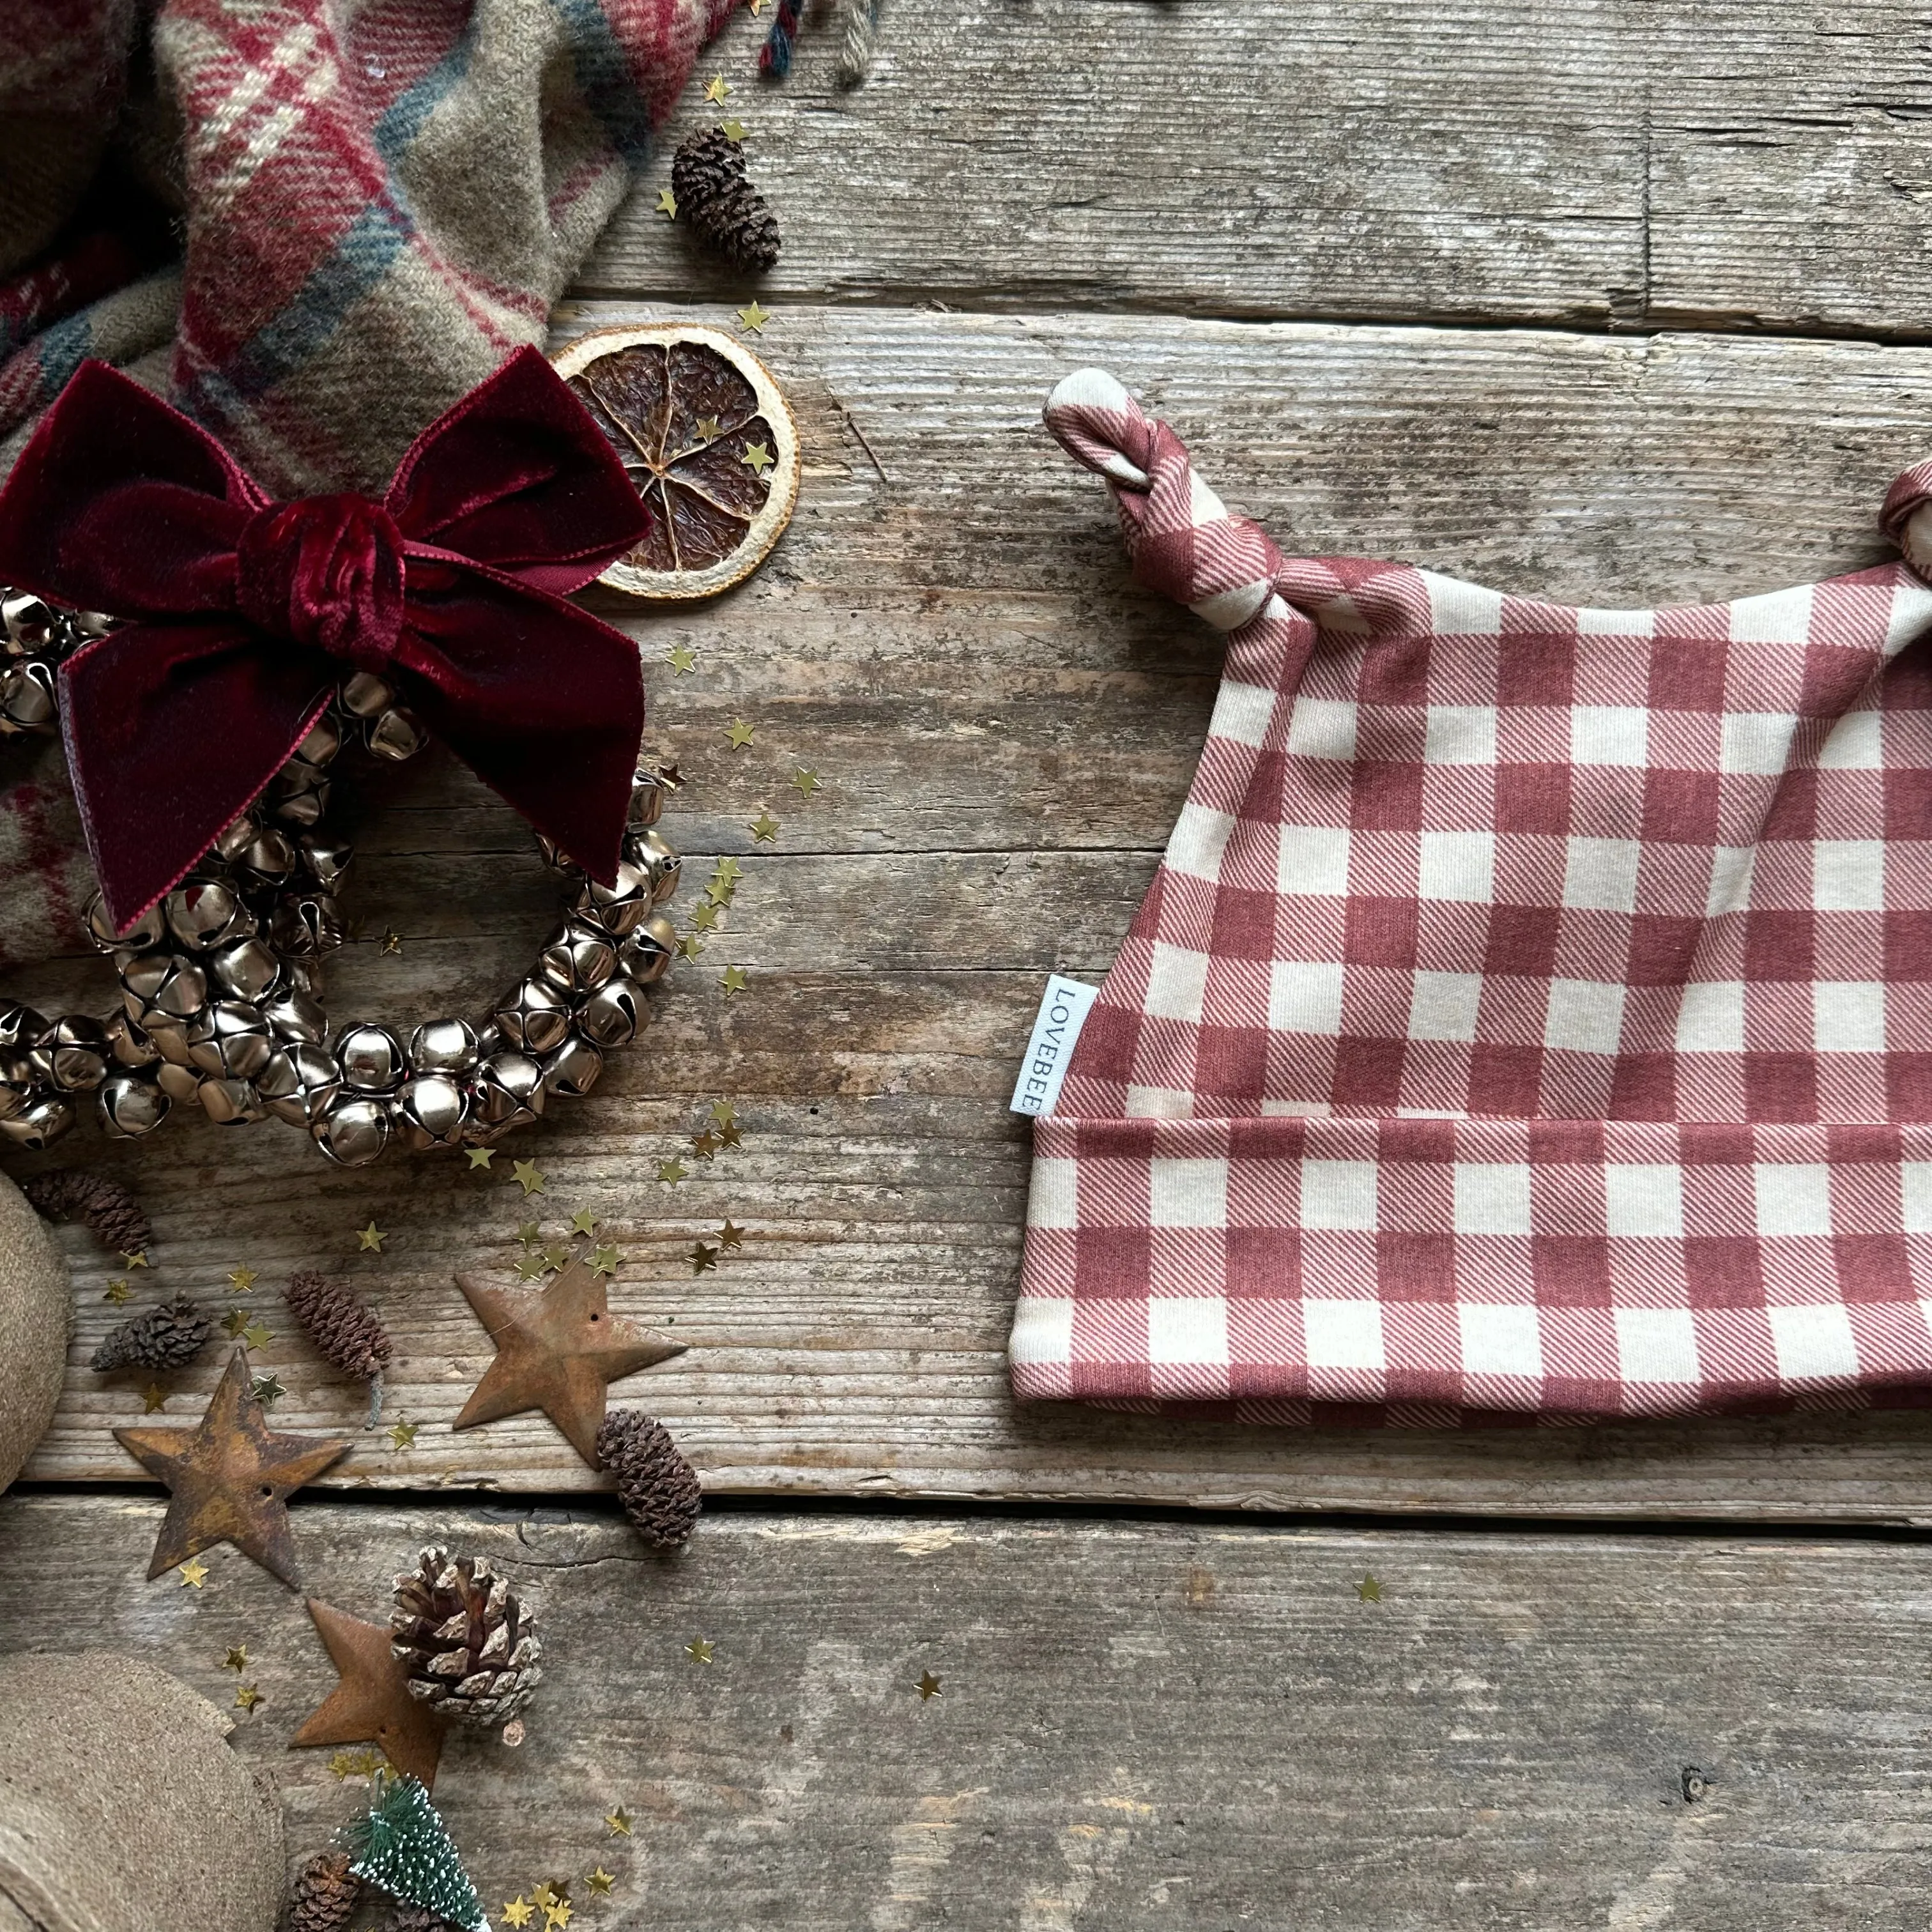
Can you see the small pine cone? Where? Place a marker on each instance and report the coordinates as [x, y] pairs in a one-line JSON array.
[[324, 1895], [169, 1336], [418, 1919], [72, 1194], [470, 1644], [716, 196], [659, 1488], [344, 1328]]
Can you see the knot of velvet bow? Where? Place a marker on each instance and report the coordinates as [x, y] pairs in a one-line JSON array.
[[243, 614]]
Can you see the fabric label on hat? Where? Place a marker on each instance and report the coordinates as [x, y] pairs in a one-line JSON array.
[[1063, 1008]]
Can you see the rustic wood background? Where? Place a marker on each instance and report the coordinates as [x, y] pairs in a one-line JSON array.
[[1620, 300]]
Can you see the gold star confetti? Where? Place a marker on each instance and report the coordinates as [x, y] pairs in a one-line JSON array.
[[709, 429], [699, 1650], [705, 1144], [403, 1435], [135, 1257], [243, 1279], [557, 1257], [733, 131], [764, 828], [604, 1260], [704, 920], [702, 1258], [117, 1292], [728, 1135], [247, 1696], [757, 458], [740, 733], [237, 1660], [256, 1335], [530, 1267], [233, 1322], [364, 1763], [1369, 1590], [481, 1157], [267, 1390], [546, 1895], [682, 659], [723, 1114], [667, 207], [730, 1235], [557, 1914], [194, 1572], [369, 1237], [153, 1397], [392, 942], [691, 946], [734, 980], [928, 1686], [715, 90], [518, 1911], [757, 7], [600, 1881], [806, 779], [529, 1176], [529, 1234], [617, 1821], [583, 1222], [672, 1169], [719, 892], [753, 318], [727, 871]]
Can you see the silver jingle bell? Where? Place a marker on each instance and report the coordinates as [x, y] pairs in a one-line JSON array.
[[650, 790], [352, 1129], [130, 1106], [646, 955], [578, 959], [371, 1058], [31, 623], [229, 1103], [533, 1017], [40, 1123], [431, 1110], [508, 1091], [555, 857], [27, 696], [147, 931], [235, 838], [307, 927], [170, 1037], [130, 1043], [615, 1014], [293, 1015], [445, 1046], [573, 1069], [296, 1082], [656, 858], [323, 742], [73, 1054], [268, 860], [618, 909], [177, 1081], [165, 983], [19, 1084], [205, 914], [248, 969], [230, 1041], [396, 735], [327, 858], [365, 695], [299, 795], [20, 1026]]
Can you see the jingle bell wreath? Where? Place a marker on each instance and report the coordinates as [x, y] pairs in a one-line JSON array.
[[250, 644]]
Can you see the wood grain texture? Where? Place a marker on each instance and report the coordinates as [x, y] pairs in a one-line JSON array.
[[1006, 729], [1593, 163], [1138, 1725]]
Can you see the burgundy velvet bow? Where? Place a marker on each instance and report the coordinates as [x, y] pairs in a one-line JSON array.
[[246, 614]]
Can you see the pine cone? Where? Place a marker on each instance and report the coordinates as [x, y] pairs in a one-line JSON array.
[[659, 1488], [418, 1919], [324, 1895], [169, 1336], [716, 196], [72, 1194], [347, 1331], [470, 1645]]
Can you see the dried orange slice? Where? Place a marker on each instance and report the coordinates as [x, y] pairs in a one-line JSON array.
[[708, 440]]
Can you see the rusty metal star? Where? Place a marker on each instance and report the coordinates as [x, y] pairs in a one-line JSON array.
[[372, 1703], [229, 1480], [556, 1351]]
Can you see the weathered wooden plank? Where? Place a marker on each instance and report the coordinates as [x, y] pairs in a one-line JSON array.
[[1620, 164], [1138, 1724], [1005, 728]]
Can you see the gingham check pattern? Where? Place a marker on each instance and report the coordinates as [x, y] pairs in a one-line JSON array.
[[1532, 1014]]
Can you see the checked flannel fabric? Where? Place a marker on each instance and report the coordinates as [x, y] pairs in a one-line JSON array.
[[1531, 1017]]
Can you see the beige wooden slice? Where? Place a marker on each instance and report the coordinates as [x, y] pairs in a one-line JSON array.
[[707, 440]]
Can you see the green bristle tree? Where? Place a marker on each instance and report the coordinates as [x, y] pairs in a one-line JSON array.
[[401, 1845]]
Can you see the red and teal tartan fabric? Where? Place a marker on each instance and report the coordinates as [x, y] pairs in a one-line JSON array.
[[1531, 1017]]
